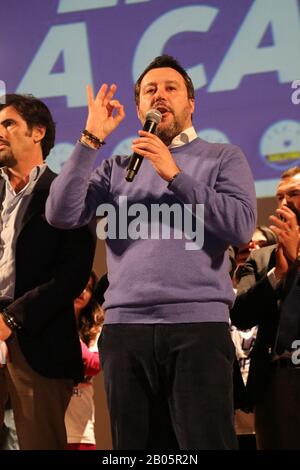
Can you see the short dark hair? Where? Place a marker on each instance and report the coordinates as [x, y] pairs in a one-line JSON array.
[[290, 172], [35, 113], [158, 63], [91, 317], [268, 234]]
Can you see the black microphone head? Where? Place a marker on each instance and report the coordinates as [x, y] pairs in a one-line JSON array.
[[154, 115]]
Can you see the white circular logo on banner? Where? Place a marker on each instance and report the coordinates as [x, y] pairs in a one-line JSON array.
[[280, 144], [58, 155]]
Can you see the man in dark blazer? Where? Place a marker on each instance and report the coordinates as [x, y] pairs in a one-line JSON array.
[[42, 269], [273, 386]]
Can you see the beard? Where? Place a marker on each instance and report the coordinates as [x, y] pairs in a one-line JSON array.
[[295, 210], [166, 133], [7, 159]]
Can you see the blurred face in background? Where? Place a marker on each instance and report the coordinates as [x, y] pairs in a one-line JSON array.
[[288, 194], [85, 297], [258, 240]]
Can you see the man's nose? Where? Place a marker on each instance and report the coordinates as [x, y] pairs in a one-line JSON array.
[[160, 93], [283, 201]]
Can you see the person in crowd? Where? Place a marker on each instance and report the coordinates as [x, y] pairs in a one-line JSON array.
[[80, 415], [268, 297], [262, 236], [42, 270], [165, 346], [244, 339]]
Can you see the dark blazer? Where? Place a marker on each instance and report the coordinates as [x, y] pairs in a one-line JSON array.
[[52, 268], [256, 304]]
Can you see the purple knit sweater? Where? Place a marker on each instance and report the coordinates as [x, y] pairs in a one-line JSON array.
[[159, 280]]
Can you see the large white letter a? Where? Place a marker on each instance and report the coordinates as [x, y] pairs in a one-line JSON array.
[[70, 41]]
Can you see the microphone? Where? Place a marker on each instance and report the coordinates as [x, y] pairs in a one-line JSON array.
[[153, 118]]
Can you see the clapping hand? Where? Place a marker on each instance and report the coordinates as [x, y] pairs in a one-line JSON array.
[[286, 228]]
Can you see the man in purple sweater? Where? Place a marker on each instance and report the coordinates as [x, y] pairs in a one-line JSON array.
[[165, 346]]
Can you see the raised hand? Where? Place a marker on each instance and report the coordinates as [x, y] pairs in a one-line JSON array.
[[104, 113], [281, 263], [287, 230]]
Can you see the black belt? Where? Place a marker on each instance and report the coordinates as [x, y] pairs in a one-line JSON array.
[[285, 363]]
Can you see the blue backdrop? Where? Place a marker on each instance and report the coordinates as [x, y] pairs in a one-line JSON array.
[[243, 56]]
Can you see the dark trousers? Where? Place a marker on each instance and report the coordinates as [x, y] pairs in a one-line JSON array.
[[169, 386], [277, 415], [39, 403]]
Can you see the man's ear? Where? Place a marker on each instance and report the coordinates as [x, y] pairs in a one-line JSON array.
[[38, 133], [192, 104], [138, 112]]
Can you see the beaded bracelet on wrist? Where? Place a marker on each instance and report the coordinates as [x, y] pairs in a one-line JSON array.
[[9, 320], [92, 138]]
